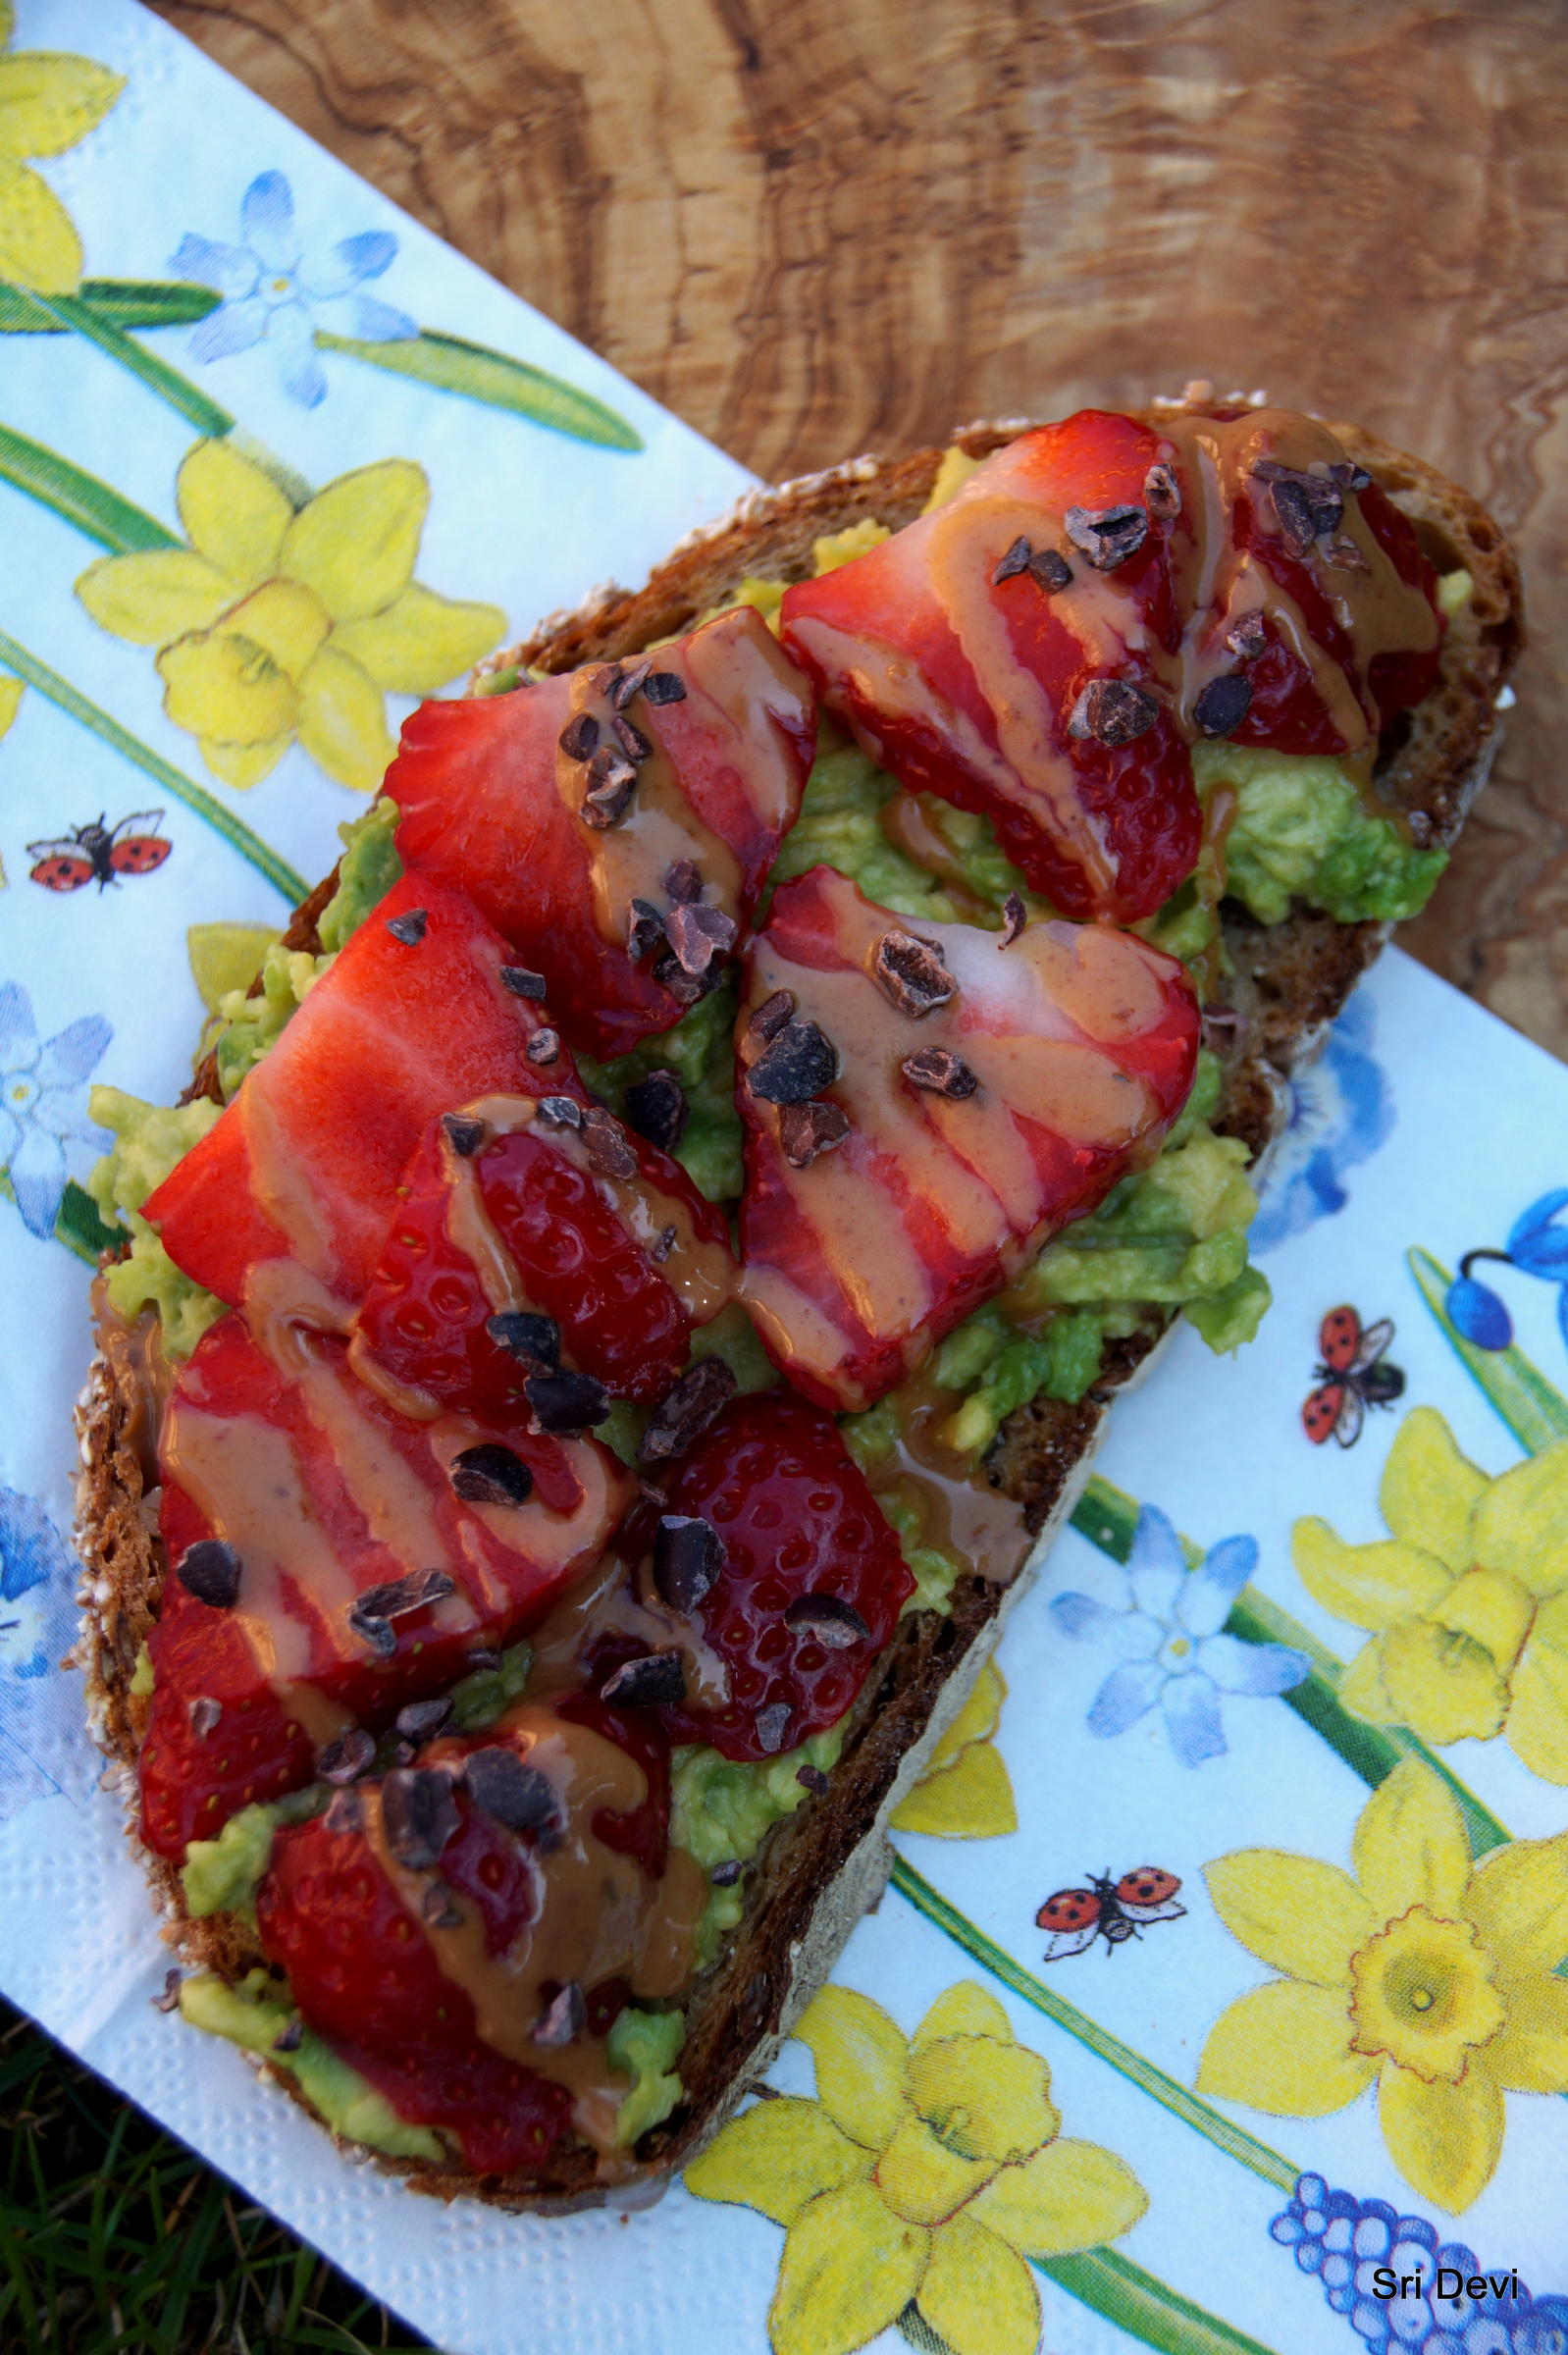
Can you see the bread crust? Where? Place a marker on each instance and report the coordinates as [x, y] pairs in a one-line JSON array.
[[819, 1868]]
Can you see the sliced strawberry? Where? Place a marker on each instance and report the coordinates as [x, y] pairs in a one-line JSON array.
[[696, 774], [323, 1493], [810, 1582], [303, 1164], [365, 1976], [965, 686], [984, 1097], [592, 1227], [1098, 594], [356, 1907]]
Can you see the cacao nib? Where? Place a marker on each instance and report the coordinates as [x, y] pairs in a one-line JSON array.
[[422, 1720], [464, 1133], [664, 687], [608, 1152], [290, 2037], [1106, 536], [207, 1715], [1296, 516], [561, 1112], [1016, 560], [1112, 712], [490, 1473], [812, 1778], [725, 1875], [518, 1797], [644, 930], [688, 1556], [941, 1072], [913, 973], [1014, 916], [772, 1015], [699, 934], [809, 1128], [343, 1761], [798, 1062], [521, 981], [649, 1682], [1049, 570], [545, 1046], [1161, 493], [1344, 556], [683, 882], [633, 743], [1224, 703], [1248, 638], [657, 1109], [535, 1341], [374, 1611], [686, 1410], [565, 1404], [630, 684], [211, 1571], [834, 1623], [580, 736], [411, 927], [772, 1724], [419, 1816], [562, 2019]]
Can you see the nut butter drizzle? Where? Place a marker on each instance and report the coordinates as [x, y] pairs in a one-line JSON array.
[[599, 1915]]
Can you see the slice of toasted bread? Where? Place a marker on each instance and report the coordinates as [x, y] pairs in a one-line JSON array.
[[820, 1868]]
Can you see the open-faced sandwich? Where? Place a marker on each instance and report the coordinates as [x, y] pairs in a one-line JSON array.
[[654, 1248]]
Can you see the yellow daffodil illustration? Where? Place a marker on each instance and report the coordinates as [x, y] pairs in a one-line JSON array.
[[48, 101], [10, 706], [1466, 1602], [280, 621], [964, 1792], [1424, 1975], [924, 2173]]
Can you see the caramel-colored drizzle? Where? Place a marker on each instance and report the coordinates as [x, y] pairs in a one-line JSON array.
[[630, 859]]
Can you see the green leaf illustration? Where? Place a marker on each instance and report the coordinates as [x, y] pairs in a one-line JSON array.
[[1145, 2308], [1107, 1516], [450, 364], [26, 666], [176, 392], [1536, 1413], [76, 1222], [1190, 2106], [79, 497], [119, 301]]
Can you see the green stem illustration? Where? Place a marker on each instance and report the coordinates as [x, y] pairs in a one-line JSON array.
[[1107, 1516], [94, 326], [1233, 2140], [1139, 2303], [1535, 1412], [169, 779], [77, 497]]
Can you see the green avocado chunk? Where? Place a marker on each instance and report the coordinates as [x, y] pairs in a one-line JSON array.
[[642, 2045], [252, 2017], [1302, 830], [148, 1141], [721, 1809]]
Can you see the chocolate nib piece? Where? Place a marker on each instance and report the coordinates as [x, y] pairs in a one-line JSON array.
[[833, 1622], [688, 1556], [646, 1682], [1106, 536], [422, 1720], [535, 1341], [686, 1411], [522, 982], [1014, 916], [465, 1134], [513, 1793], [798, 1062], [565, 1404], [1224, 703], [913, 973], [409, 928], [772, 1015], [1014, 562], [657, 1109], [1161, 493], [346, 1758], [211, 1571], [644, 930], [545, 1046], [772, 1724], [806, 1129], [941, 1072], [375, 1611], [418, 1814], [490, 1473], [609, 1151], [664, 687], [699, 934], [563, 2019], [580, 736], [1112, 712]]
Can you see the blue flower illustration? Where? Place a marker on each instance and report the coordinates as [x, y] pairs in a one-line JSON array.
[[44, 1746], [1537, 1245], [41, 1103], [1342, 1110], [1169, 1637], [271, 292], [1357, 2247]]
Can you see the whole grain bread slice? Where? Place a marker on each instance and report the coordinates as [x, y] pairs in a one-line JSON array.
[[819, 1868]]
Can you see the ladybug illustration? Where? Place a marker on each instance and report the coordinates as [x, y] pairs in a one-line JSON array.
[[1351, 1377], [134, 846], [1115, 1911]]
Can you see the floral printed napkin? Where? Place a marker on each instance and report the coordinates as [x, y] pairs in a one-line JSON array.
[[1215, 2003]]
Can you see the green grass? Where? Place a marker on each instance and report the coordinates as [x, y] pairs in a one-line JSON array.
[[117, 2240]]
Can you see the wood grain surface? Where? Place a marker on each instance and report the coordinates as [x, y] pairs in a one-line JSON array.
[[812, 227]]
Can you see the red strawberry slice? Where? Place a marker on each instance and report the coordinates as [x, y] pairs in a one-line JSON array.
[[412, 1017], [323, 1494], [369, 1912], [1101, 592], [695, 759], [966, 686], [984, 1097], [365, 1976], [812, 1579], [592, 1227]]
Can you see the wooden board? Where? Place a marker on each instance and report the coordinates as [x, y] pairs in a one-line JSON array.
[[834, 225]]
